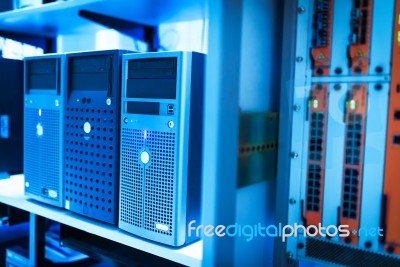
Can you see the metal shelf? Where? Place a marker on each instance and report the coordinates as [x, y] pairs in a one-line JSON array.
[[12, 194], [50, 20]]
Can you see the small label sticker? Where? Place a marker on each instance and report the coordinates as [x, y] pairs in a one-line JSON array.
[[67, 204], [53, 194], [162, 227], [4, 127]]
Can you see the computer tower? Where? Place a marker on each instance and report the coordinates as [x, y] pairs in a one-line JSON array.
[[161, 145], [44, 97], [11, 118], [92, 115]]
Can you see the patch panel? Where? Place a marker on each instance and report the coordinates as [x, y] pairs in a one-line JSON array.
[[318, 108], [359, 47], [337, 169], [321, 37], [355, 118], [392, 171]]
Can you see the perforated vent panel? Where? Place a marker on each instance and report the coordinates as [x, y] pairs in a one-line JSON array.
[[353, 139], [90, 160], [147, 189], [42, 151], [159, 183], [350, 194], [131, 177], [345, 255]]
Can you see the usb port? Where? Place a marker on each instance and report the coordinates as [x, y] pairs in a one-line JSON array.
[[396, 139], [170, 109], [45, 191]]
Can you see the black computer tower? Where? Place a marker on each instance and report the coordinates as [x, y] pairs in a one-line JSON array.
[[11, 116], [92, 116]]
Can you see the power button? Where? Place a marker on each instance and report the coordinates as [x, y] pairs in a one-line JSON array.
[[171, 124]]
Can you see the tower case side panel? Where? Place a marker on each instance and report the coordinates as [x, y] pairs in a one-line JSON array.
[[11, 116], [194, 189]]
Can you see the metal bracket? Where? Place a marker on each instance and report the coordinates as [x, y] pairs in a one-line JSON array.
[[48, 44], [145, 33]]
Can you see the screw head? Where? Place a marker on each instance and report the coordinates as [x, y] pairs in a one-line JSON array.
[[338, 70], [299, 59], [292, 201], [378, 87], [379, 69], [296, 108], [294, 155], [337, 87], [390, 249], [301, 10]]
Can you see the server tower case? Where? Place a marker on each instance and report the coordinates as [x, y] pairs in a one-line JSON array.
[[161, 145], [92, 133], [44, 97], [11, 117]]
